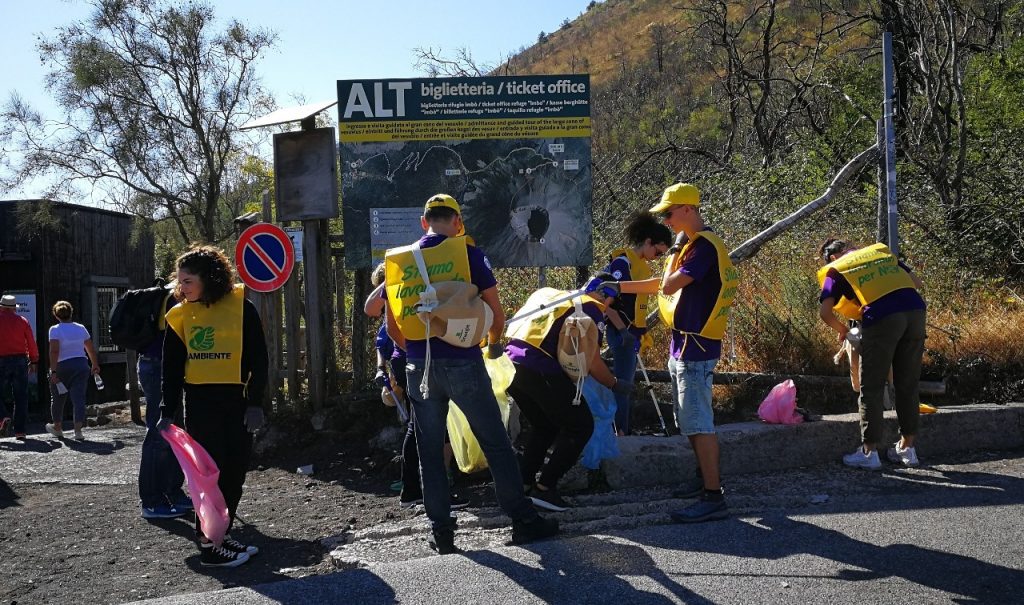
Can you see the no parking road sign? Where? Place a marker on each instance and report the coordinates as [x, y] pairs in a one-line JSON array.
[[264, 257]]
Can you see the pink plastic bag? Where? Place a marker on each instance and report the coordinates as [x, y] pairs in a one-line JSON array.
[[779, 407], [202, 474]]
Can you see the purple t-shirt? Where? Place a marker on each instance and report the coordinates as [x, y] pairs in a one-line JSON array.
[[625, 304], [905, 299], [481, 276], [544, 360], [696, 303]]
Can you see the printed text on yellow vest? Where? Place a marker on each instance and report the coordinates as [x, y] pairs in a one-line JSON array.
[[446, 262], [213, 338], [718, 319], [872, 272]]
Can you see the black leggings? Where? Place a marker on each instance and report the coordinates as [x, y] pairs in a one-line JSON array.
[[214, 416], [546, 401]]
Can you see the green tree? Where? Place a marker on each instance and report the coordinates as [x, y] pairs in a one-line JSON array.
[[151, 94]]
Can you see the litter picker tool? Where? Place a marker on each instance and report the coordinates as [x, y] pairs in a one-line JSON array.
[[650, 389], [403, 413], [523, 314]]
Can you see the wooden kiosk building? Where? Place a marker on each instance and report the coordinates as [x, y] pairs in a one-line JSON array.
[[86, 256]]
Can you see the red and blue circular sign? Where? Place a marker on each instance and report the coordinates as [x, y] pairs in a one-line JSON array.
[[264, 257]]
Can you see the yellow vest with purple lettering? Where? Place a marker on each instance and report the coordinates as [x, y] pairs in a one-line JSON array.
[[718, 320], [872, 272]]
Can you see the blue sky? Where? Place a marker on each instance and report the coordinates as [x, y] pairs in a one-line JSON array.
[[319, 42]]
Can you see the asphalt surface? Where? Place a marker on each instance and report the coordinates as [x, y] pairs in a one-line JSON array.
[[947, 533]]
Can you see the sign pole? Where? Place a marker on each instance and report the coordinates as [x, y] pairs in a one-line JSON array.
[[888, 76]]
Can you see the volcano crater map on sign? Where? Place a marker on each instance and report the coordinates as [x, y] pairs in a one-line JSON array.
[[524, 202]]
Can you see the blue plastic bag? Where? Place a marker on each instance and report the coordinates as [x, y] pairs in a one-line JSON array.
[[603, 443]]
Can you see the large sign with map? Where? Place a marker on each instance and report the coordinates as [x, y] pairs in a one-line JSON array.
[[513, 150]]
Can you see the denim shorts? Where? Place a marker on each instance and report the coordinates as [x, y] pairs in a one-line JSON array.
[[691, 383]]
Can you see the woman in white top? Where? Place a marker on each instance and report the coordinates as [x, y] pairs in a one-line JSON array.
[[69, 370]]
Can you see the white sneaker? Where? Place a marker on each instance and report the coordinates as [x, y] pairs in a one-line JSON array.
[[904, 456], [859, 459], [78, 435], [53, 430]]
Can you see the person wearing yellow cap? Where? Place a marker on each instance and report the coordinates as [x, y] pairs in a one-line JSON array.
[[452, 372], [697, 291]]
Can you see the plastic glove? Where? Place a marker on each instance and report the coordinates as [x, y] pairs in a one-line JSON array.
[[622, 387], [254, 418], [380, 379], [163, 424], [494, 350]]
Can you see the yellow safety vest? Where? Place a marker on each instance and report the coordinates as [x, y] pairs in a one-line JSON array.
[[872, 272], [714, 327], [639, 270], [447, 261], [534, 331], [213, 338]]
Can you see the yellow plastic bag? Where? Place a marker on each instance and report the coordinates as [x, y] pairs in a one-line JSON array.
[[465, 447]]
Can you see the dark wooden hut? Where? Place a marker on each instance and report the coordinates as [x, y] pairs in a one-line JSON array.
[[83, 255]]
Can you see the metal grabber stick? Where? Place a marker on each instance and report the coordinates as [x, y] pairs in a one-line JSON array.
[[650, 389]]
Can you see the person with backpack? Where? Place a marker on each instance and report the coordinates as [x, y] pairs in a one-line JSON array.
[[647, 240], [215, 353], [160, 475], [441, 291], [69, 371], [553, 351]]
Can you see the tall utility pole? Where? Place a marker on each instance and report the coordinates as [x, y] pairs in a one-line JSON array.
[[889, 90]]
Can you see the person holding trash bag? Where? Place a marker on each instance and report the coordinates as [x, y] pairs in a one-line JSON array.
[[548, 392], [697, 292], [215, 351], [627, 315], [442, 302], [871, 285]]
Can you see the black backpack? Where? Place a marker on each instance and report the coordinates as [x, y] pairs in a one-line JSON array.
[[135, 318]]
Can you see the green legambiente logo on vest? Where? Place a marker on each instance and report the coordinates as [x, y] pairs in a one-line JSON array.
[[203, 340]]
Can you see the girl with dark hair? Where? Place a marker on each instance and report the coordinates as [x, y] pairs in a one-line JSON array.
[[647, 240], [215, 352]]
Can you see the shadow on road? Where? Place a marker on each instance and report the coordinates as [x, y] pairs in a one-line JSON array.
[[605, 562]]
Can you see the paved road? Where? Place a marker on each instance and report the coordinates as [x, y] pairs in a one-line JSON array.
[[950, 533]]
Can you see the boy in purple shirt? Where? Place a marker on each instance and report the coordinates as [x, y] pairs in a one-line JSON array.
[[547, 397], [457, 374], [871, 285]]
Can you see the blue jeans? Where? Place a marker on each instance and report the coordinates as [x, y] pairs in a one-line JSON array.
[[464, 381], [74, 373], [14, 379], [160, 476], [691, 383], [624, 368]]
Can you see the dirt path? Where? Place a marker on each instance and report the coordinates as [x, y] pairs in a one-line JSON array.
[[70, 528]]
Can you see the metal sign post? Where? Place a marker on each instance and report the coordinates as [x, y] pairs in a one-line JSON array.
[[888, 76]]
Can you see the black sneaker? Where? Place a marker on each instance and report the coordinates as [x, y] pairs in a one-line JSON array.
[[548, 499], [218, 556], [457, 501], [236, 546], [538, 528], [443, 541]]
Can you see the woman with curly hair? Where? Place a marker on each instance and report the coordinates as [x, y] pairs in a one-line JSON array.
[[647, 240], [215, 352]]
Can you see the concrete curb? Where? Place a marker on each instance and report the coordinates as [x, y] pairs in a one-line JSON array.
[[749, 447]]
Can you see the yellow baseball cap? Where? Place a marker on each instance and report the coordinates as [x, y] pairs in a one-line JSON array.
[[680, 194], [442, 200]]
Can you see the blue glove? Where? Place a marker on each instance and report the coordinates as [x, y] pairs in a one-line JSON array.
[[623, 388]]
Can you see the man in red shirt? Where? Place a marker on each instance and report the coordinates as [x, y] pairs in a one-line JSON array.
[[19, 357]]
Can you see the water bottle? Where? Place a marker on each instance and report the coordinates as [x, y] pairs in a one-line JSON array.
[[61, 389], [853, 336], [99, 381]]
